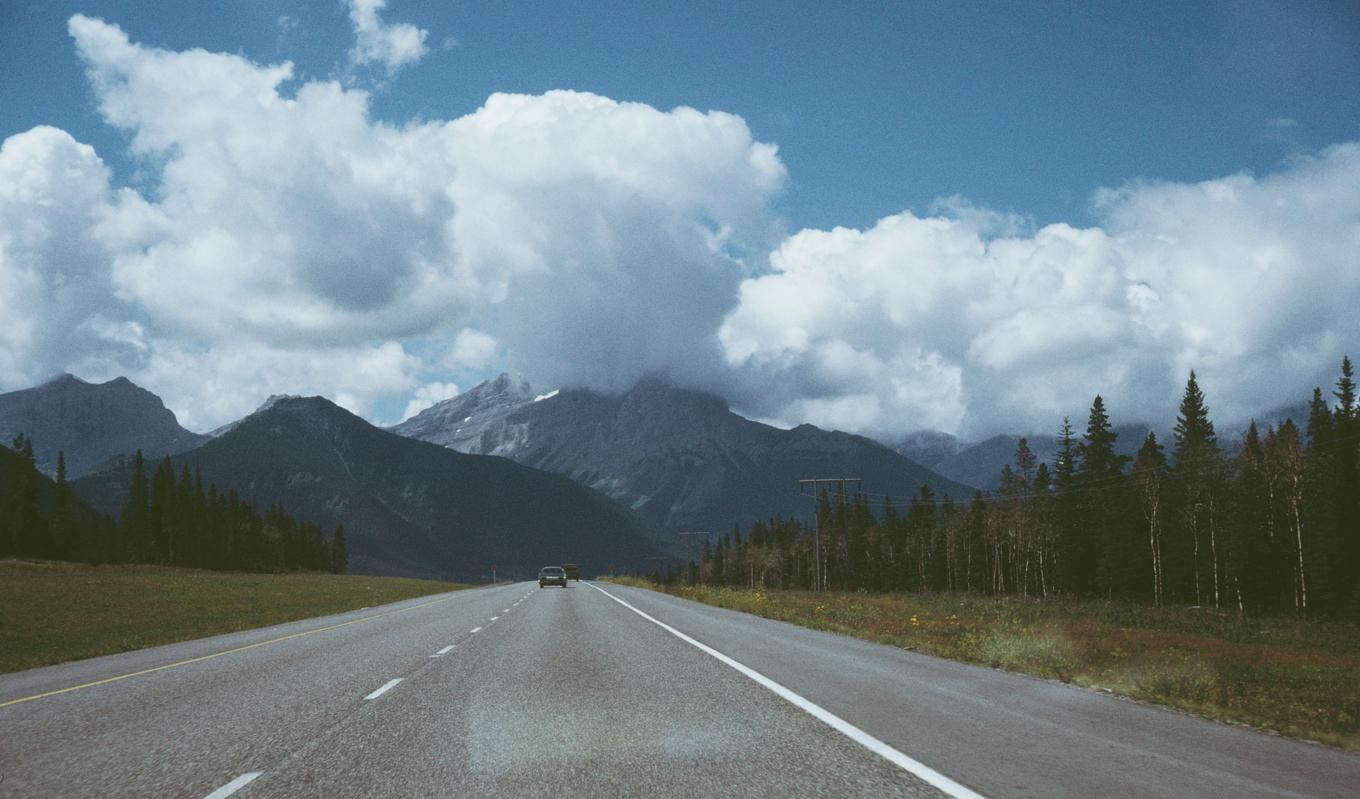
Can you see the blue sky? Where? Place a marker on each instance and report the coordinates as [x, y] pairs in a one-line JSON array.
[[1114, 165], [876, 107]]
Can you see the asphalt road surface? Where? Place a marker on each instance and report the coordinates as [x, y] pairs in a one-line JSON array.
[[604, 690]]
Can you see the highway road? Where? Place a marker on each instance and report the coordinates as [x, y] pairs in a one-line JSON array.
[[600, 689]]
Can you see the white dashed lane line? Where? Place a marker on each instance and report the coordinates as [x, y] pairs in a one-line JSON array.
[[443, 651], [389, 685], [474, 630], [234, 786]]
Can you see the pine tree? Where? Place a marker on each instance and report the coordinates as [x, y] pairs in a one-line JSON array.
[[1025, 464], [162, 514], [60, 544], [1197, 472], [1101, 560], [1067, 512], [1252, 531], [1345, 391], [134, 521], [26, 519], [187, 520], [1096, 454], [1346, 490], [1321, 509]]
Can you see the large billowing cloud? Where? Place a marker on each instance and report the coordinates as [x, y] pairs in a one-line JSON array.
[[943, 322], [609, 236], [56, 298], [290, 243], [590, 241]]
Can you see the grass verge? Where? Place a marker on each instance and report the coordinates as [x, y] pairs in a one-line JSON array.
[[52, 612], [1297, 678]]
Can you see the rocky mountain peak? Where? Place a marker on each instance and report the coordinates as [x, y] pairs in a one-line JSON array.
[[459, 422], [91, 422]]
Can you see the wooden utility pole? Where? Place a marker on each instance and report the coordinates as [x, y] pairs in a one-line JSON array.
[[818, 572]]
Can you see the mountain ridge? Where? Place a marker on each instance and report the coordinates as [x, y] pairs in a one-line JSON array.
[[681, 458], [91, 422], [408, 507]]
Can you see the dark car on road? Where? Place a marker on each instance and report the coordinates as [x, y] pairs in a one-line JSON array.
[[552, 575]]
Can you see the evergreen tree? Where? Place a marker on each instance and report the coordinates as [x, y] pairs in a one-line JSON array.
[[1345, 391], [187, 520], [162, 515], [1197, 473], [1321, 511], [1253, 532], [26, 521], [1067, 511], [7, 479], [60, 544], [135, 519], [1101, 557], [1025, 464], [921, 526], [1346, 491]]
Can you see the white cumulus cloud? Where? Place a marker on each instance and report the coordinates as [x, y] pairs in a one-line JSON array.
[[392, 45], [56, 296], [584, 240], [472, 349], [289, 242], [957, 323], [428, 395]]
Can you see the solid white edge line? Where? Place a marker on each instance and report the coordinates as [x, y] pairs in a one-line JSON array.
[[234, 786], [883, 750], [387, 687]]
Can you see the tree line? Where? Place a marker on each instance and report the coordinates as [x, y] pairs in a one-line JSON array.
[[167, 519], [1267, 524]]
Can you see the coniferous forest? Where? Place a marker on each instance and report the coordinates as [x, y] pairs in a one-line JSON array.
[[168, 519], [1268, 524]]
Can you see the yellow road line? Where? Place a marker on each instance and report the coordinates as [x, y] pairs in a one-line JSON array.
[[108, 680]]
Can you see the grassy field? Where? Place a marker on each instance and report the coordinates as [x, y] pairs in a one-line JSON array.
[[1294, 677], [52, 612]]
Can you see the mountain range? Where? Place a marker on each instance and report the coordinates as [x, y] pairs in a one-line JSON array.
[[682, 459], [91, 423], [408, 507], [501, 474]]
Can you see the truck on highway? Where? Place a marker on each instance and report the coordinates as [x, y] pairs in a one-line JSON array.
[[573, 571]]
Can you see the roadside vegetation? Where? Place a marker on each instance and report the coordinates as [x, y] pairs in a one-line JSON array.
[[165, 521], [1296, 677], [52, 612], [1264, 524]]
